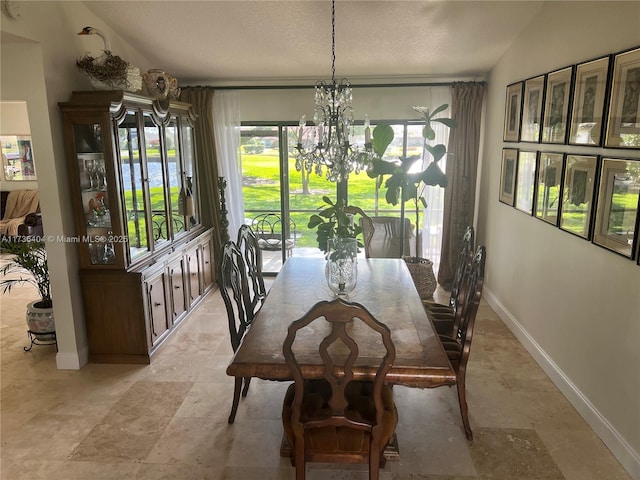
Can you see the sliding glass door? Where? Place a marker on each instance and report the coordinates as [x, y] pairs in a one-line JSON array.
[[278, 199]]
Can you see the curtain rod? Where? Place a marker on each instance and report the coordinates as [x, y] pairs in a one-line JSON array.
[[364, 85]]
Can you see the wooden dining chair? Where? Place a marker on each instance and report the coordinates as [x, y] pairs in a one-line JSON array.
[[446, 317], [458, 345], [336, 418], [366, 224], [384, 240], [234, 288], [248, 244]]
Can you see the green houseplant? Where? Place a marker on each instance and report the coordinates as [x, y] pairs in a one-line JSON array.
[[336, 232], [403, 184], [400, 182], [28, 264], [332, 221]]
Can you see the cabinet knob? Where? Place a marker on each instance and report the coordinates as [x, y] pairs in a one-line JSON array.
[[157, 304], [177, 287]]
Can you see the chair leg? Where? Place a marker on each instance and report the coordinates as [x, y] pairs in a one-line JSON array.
[[464, 410], [236, 399], [247, 381], [374, 463], [301, 465]]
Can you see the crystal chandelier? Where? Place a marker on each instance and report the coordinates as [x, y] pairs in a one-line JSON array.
[[329, 146]]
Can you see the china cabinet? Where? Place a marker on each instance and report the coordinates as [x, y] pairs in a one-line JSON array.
[[145, 258]]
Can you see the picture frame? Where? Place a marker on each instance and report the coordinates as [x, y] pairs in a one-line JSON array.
[[513, 112], [508, 175], [623, 123], [578, 194], [532, 109], [617, 209], [590, 92], [556, 106], [525, 181], [549, 186], [17, 158]]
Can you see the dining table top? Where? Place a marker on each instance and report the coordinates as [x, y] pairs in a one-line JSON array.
[[384, 287]]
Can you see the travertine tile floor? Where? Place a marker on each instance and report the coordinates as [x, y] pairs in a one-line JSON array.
[[167, 420]]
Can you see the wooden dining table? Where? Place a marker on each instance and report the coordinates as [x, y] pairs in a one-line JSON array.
[[384, 287]]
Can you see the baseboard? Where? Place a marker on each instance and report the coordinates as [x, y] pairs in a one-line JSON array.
[[72, 361], [619, 447]]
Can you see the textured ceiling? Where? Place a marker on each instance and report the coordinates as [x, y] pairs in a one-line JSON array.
[[256, 41]]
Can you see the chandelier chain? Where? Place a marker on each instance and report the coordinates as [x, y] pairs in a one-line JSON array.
[[327, 143], [333, 42]]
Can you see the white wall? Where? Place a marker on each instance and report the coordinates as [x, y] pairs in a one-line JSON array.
[[574, 305], [380, 103], [39, 50]]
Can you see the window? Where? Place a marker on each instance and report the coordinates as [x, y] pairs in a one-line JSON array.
[[271, 184]]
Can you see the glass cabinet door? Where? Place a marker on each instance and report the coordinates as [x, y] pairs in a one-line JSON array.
[[156, 181], [188, 159], [89, 150], [132, 172], [177, 194]]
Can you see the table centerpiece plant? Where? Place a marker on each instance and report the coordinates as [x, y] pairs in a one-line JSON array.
[[337, 232], [332, 221]]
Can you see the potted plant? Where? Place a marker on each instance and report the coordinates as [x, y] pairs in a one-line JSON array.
[[332, 221], [337, 236], [29, 265], [403, 184]]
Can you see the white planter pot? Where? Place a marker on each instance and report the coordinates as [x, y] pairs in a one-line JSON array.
[[40, 322]]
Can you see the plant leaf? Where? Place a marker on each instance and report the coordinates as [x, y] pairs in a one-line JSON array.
[[409, 191], [382, 137], [437, 151], [326, 199], [407, 162], [432, 175], [382, 167], [449, 122], [314, 221], [439, 109], [428, 132]]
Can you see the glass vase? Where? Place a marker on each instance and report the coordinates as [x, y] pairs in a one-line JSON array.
[[342, 265]]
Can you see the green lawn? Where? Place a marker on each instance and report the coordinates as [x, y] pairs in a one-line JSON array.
[[261, 191]]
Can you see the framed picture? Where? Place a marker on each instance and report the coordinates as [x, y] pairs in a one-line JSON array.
[[512, 113], [617, 209], [525, 181], [577, 194], [556, 106], [532, 109], [17, 158], [623, 124], [587, 112], [548, 185], [508, 175]]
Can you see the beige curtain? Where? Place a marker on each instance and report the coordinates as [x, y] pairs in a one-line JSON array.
[[201, 99], [461, 170]]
